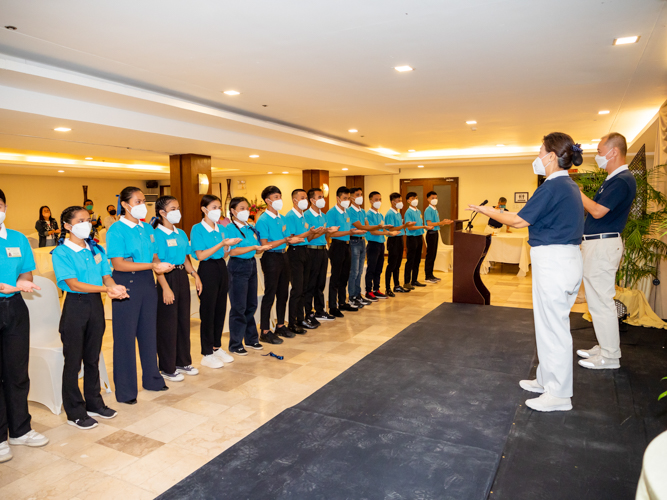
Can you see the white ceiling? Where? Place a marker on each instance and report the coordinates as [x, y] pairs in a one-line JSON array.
[[520, 68]]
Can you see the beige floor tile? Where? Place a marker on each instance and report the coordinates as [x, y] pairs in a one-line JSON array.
[[130, 443], [112, 488], [103, 459]]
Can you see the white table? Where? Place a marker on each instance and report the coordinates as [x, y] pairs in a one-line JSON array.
[[510, 248], [653, 480], [444, 258], [43, 259]]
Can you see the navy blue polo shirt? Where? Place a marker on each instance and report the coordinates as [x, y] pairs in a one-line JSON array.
[[617, 194], [555, 212]]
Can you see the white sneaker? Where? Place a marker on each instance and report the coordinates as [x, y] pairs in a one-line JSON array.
[[587, 353], [599, 362], [5, 452], [173, 377], [32, 438], [187, 370], [547, 402], [531, 385], [212, 361], [220, 353]]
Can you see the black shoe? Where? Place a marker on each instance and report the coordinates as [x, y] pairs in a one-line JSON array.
[[130, 402], [162, 389], [408, 286], [356, 303], [324, 316], [371, 297], [284, 332], [313, 320], [348, 308], [104, 412], [239, 352], [256, 346], [295, 328], [84, 423], [399, 289], [270, 338], [389, 293], [417, 283], [309, 323], [364, 301], [336, 313]]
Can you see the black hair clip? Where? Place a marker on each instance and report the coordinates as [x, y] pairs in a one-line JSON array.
[[274, 356], [577, 148]]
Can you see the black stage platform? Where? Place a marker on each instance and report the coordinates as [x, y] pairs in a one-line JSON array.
[[437, 413]]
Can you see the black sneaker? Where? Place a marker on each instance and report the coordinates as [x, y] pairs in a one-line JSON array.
[[323, 316], [309, 324], [355, 303], [336, 313], [284, 332], [417, 283], [399, 289], [378, 294], [239, 352], [84, 423], [362, 300], [389, 293], [256, 346], [270, 338], [313, 320], [104, 412], [370, 296], [130, 402], [296, 328], [431, 280], [408, 286], [348, 308]]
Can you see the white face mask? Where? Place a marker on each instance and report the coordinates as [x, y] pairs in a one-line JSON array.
[[601, 161], [139, 211], [277, 205], [414, 202], [303, 204], [320, 203], [538, 167], [377, 205], [434, 201], [2, 216], [345, 203], [174, 216], [243, 215], [214, 215], [82, 230], [399, 205], [359, 200]]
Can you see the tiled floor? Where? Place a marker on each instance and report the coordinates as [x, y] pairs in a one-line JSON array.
[[151, 446]]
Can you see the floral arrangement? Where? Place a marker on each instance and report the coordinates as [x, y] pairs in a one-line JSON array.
[[256, 208]]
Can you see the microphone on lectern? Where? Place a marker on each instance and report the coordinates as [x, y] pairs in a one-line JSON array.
[[483, 203], [469, 226]]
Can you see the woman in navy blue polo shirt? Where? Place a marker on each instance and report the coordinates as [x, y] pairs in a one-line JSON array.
[[555, 215], [173, 306], [133, 253], [82, 270], [208, 246], [16, 266]]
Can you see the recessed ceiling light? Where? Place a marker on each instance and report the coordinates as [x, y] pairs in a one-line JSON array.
[[403, 69], [89, 157], [61, 171], [500, 145], [345, 169], [595, 140], [285, 172], [62, 129], [269, 172], [471, 122], [605, 112], [231, 92], [411, 150], [254, 156], [420, 166], [626, 40], [353, 131]]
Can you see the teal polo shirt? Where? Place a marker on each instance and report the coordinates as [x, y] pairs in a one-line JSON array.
[[128, 240], [15, 257], [356, 215], [374, 218], [431, 215], [203, 237], [296, 225], [316, 220], [337, 217], [272, 228], [72, 261], [172, 246], [412, 214], [248, 238], [394, 218]]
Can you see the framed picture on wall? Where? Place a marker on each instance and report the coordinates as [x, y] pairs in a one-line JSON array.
[[521, 197]]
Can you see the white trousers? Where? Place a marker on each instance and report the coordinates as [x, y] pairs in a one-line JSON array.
[[601, 260], [557, 271]]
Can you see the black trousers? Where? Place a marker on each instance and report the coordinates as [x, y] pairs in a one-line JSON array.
[[432, 238], [341, 261], [395, 251], [276, 287], [413, 258], [299, 265], [243, 301], [14, 354], [135, 321], [212, 303], [374, 263], [81, 329], [317, 280], [173, 323]]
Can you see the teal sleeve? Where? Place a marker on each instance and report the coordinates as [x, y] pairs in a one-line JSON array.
[[115, 244], [197, 240], [62, 266]]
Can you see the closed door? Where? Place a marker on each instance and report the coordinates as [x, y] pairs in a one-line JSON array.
[[447, 189]]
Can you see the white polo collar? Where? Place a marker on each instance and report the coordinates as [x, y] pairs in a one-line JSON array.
[[339, 209], [166, 230], [3, 231], [561, 173], [240, 224], [208, 228], [298, 214], [130, 223], [394, 210], [272, 215], [74, 246], [413, 208], [617, 171], [314, 212], [355, 208], [373, 210]]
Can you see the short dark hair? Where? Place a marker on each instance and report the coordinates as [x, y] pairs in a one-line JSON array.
[[617, 140], [312, 191], [431, 193], [342, 190], [411, 194], [87, 200], [2, 197], [269, 190], [562, 145], [373, 193], [394, 196], [502, 198], [298, 190], [355, 189]]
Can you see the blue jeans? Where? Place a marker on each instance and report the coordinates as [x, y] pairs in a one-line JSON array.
[[358, 251], [243, 302]]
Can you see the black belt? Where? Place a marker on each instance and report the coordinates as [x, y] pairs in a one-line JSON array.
[[356, 237], [278, 251], [11, 297], [344, 242], [316, 247], [603, 236]]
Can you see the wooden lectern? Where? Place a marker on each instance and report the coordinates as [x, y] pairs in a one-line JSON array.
[[469, 252]]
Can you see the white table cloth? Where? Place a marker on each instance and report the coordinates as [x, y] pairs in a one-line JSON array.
[[444, 259], [653, 480], [510, 248]]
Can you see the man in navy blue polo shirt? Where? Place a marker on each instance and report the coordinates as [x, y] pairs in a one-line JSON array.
[[602, 250]]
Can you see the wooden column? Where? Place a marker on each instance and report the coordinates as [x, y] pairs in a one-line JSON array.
[[317, 179], [357, 181], [184, 174]]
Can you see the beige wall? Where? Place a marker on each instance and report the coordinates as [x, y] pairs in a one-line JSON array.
[[26, 193], [254, 184]]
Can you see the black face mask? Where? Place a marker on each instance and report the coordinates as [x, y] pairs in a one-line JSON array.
[[112, 212]]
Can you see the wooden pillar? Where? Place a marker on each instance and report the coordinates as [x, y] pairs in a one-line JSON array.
[[184, 173], [317, 179], [357, 181]]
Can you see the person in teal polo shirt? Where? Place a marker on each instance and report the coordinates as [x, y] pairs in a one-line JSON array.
[[173, 294], [375, 248], [432, 218], [82, 270], [16, 266], [413, 241], [395, 244]]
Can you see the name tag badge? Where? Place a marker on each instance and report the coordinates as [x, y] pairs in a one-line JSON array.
[[172, 243], [98, 258], [13, 252], [284, 228], [152, 239], [347, 220], [306, 224]]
